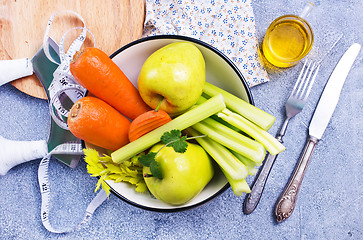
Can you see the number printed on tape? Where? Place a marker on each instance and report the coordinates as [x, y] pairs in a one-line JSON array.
[[62, 88]]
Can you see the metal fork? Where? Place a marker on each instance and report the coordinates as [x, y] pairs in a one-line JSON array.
[[294, 105]]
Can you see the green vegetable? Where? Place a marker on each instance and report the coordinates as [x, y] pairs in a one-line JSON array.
[[227, 162], [192, 116], [252, 113], [248, 163], [225, 159], [238, 186], [236, 136], [104, 168], [215, 117], [267, 140], [231, 139]]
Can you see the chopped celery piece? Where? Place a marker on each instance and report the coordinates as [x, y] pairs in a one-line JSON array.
[[231, 139], [201, 100], [267, 140], [238, 186], [225, 159], [220, 127], [248, 163], [187, 119], [215, 117], [252, 113]]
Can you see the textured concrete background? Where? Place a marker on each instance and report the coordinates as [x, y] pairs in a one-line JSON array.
[[330, 200]]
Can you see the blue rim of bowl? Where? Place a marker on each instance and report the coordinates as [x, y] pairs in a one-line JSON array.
[[243, 80]]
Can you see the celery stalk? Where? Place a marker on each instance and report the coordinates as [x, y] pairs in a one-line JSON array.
[[225, 159], [202, 99], [248, 163], [252, 113], [267, 140], [232, 134], [187, 119], [238, 186], [237, 142]]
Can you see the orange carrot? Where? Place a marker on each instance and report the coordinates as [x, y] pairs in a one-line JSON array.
[[96, 122], [95, 71], [147, 122]]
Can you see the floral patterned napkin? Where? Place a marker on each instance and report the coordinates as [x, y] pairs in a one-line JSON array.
[[228, 25]]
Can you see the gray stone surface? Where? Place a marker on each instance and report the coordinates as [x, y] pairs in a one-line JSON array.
[[330, 201]]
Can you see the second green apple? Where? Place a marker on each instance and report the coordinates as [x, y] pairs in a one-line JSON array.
[[184, 174], [173, 76]]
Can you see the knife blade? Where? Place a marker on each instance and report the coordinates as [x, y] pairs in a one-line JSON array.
[[330, 96], [319, 122]]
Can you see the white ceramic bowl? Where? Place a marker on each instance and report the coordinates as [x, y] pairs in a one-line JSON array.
[[219, 71]]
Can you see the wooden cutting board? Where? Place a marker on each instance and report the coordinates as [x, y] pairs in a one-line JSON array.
[[114, 23]]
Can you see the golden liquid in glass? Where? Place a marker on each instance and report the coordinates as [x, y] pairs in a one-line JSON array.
[[287, 41]]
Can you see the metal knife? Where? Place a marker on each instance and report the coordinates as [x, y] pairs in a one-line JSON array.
[[320, 120]]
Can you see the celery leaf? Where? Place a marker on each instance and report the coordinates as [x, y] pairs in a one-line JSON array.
[[105, 169]]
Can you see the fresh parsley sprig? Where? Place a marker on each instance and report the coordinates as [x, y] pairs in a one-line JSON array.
[[173, 139]]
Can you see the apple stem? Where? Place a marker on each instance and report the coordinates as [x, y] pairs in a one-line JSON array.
[[148, 175], [157, 108]]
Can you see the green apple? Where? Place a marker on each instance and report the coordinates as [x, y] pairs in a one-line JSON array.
[[173, 76], [184, 174]]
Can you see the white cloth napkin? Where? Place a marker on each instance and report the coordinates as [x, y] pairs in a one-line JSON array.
[[228, 25]]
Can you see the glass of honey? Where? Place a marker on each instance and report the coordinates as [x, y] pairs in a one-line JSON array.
[[288, 39]]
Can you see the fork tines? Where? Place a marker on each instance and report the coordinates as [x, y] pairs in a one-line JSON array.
[[305, 82]]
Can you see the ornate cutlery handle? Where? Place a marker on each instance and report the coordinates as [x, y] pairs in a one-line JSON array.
[[286, 203], [254, 196]]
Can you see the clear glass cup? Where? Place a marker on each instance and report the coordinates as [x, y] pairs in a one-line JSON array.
[[288, 39]]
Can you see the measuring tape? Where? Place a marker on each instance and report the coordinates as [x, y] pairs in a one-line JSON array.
[[63, 87], [58, 95], [43, 178]]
